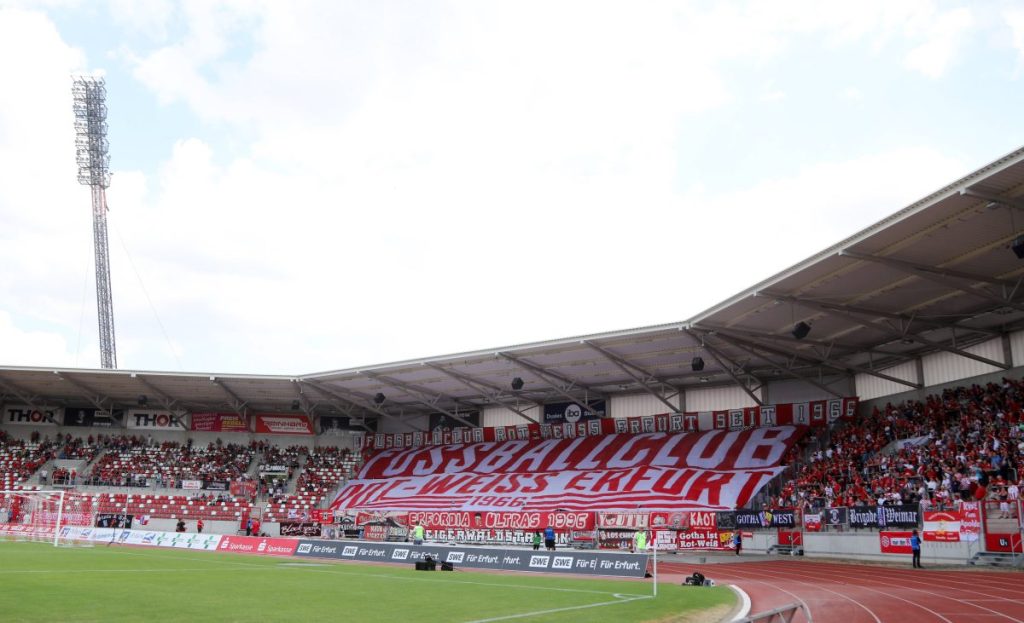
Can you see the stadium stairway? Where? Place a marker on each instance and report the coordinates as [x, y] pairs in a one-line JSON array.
[[997, 560]]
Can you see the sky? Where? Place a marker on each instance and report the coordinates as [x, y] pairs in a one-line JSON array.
[[315, 185]]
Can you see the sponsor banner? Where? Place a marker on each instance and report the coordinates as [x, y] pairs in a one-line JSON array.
[[893, 542], [179, 540], [502, 520], [684, 520], [777, 518], [337, 423], [283, 424], [193, 485], [570, 561], [25, 415], [484, 536], [718, 470], [835, 516], [215, 485], [257, 545], [970, 521], [219, 423], [941, 526], [147, 419], [816, 413], [81, 416], [573, 412], [896, 516], [296, 528]]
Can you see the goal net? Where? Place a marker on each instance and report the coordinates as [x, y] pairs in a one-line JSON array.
[[56, 517]]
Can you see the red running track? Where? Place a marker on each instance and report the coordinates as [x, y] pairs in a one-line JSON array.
[[844, 593]]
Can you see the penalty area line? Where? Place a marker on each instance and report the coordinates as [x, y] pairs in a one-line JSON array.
[[622, 599]]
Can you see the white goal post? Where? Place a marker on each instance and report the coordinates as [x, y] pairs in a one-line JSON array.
[[56, 517]]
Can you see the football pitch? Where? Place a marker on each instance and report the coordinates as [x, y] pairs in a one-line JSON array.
[[39, 582]]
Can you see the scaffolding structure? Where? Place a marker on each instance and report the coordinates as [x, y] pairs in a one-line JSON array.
[[92, 154]]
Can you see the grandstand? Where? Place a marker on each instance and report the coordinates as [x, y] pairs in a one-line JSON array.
[[871, 389]]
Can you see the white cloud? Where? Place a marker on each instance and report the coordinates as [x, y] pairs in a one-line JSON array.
[[407, 183], [1015, 20], [33, 348], [852, 93], [944, 36]]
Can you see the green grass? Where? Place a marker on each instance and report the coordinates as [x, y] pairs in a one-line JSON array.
[[105, 584]]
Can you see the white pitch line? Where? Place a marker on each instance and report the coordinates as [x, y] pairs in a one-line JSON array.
[[162, 570], [623, 600]]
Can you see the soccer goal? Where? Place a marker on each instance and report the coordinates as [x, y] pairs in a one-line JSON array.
[[46, 516]]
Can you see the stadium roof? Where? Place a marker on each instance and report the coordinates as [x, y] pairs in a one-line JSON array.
[[938, 275]]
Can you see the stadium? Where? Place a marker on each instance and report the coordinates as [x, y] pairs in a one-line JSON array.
[[839, 442], [891, 407]]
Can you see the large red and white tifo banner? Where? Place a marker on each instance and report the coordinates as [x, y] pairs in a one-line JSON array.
[[717, 470], [817, 413], [283, 424]]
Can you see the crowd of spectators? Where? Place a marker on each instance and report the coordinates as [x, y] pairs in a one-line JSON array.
[[19, 459], [965, 443], [137, 462], [325, 469]]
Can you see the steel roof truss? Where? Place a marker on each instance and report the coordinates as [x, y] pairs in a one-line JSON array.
[[621, 364], [946, 277], [896, 334], [434, 397], [25, 396], [827, 361], [343, 406], [354, 399], [238, 405], [494, 396], [786, 369], [96, 398], [546, 376], [729, 367]]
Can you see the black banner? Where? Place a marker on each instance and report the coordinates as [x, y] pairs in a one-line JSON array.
[[780, 518], [80, 416], [835, 516], [618, 564], [330, 423], [294, 528], [897, 516], [572, 412], [114, 520], [726, 520], [441, 421]]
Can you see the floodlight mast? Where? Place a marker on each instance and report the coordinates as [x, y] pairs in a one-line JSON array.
[[91, 152]]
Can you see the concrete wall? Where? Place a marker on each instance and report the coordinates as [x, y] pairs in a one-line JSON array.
[[864, 545]]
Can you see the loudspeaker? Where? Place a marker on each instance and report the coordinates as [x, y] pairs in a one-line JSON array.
[[447, 566], [517, 384], [801, 330], [697, 364], [1018, 247]]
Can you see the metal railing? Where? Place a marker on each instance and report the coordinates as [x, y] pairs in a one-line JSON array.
[[784, 614]]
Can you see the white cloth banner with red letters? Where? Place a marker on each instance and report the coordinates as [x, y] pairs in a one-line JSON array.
[[710, 471]]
